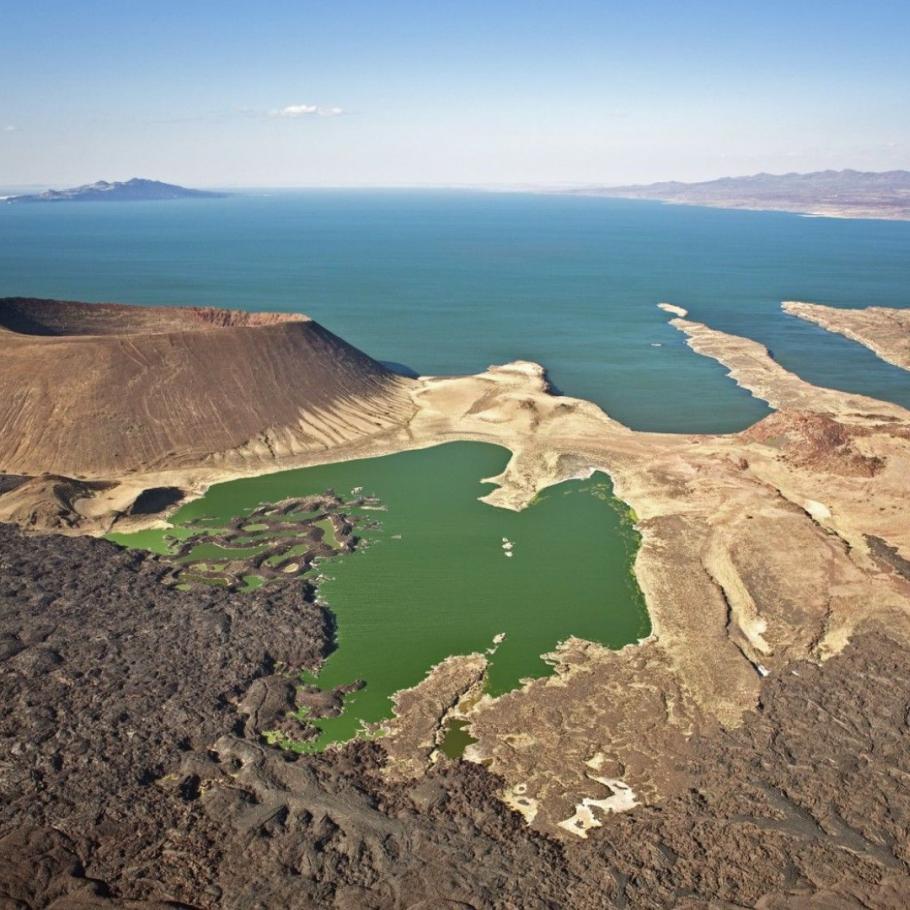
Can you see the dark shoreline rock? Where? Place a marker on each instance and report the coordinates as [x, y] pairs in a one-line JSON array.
[[155, 500], [10, 482], [133, 773]]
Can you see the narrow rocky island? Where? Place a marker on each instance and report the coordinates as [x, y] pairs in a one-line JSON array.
[[749, 751]]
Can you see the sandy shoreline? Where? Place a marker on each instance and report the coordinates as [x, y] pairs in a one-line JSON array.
[[895, 213], [727, 602], [885, 331]]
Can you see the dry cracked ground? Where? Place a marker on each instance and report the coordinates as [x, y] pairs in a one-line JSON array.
[[752, 752]]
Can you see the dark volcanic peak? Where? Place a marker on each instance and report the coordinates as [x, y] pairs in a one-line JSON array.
[[869, 194], [136, 190]]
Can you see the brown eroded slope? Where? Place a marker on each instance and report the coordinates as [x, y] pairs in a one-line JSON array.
[[884, 330], [102, 390], [758, 549]]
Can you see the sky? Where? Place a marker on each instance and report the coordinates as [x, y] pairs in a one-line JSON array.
[[439, 93]]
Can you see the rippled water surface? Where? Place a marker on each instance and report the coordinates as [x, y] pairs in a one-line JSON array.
[[449, 282]]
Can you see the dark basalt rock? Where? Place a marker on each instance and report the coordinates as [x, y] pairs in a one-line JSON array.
[[266, 702], [10, 482], [326, 702], [881, 550], [133, 773]]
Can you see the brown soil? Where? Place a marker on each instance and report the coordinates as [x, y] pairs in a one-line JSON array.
[[101, 390], [756, 551], [815, 441], [48, 500], [133, 751]]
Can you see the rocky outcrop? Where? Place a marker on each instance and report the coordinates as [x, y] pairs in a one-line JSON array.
[[133, 773], [48, 500], [817, 442]]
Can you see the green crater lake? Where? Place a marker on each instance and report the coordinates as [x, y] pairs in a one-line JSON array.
[[435, 579]]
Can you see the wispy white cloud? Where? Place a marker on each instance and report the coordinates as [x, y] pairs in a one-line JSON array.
[[223, 115], [10, 128], [306, 110]]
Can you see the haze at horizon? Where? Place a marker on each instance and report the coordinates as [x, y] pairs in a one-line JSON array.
[[403, 93]]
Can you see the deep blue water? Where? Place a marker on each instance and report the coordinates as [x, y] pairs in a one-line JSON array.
[[449, 282]]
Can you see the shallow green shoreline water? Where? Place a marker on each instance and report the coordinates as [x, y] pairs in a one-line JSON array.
[[436, 578]]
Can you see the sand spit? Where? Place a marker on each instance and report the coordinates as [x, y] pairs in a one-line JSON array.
[[742, 571], [884, 330], [752, 367], [672, 308], [729, 602]]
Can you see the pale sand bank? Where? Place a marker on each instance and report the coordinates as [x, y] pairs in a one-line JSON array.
[[884, 330], [727, 601]]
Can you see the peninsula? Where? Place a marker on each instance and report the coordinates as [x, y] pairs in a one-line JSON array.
[[840, 194], [884, 330], [707, 760]]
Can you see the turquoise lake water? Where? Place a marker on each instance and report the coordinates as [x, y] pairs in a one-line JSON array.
[[449, 282]]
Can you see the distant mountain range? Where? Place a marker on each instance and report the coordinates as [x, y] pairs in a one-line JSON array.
[[134, 190], [849, 194]]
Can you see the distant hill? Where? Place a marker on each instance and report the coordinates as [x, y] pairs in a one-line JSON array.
[[853, 194], [134, 190]]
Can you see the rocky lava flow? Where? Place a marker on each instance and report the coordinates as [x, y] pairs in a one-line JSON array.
[[134, 772], [273, 541], [758, 738]]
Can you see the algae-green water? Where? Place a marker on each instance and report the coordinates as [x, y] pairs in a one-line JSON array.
[[435, 580]]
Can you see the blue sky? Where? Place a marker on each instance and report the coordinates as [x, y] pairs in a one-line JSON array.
[[438, 93]]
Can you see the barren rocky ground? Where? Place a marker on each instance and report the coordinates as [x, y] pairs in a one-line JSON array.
[[758, 739], [133, 773], [884, 330]]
